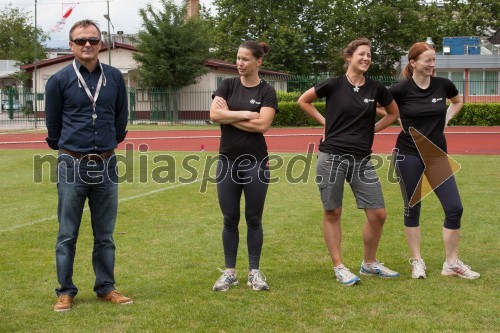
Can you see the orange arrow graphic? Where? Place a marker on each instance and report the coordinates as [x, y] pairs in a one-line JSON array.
[[439, 166]]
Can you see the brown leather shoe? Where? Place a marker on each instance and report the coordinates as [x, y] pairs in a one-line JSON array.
[[116, 297], [64, 303]]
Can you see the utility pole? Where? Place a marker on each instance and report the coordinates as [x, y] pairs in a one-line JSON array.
[[109, 36], [35, 70]]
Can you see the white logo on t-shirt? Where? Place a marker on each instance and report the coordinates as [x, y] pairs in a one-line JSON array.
[[434, 100], [368, 100], [253, 101]]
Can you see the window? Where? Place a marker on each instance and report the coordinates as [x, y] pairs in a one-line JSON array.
[[458, 79], [491, 83], [483, 83], [141, 95], [219, 80], [476, 83], [442, 74]]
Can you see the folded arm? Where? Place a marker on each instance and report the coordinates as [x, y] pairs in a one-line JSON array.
[[220, 113], [258, 125]]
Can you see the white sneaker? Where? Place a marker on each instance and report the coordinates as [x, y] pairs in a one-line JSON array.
[[257, 280], [459, 269], [226, 280], [377, 268], [418, 271], [345, 276]]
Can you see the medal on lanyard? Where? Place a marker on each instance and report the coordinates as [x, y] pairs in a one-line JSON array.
[[93, 99]]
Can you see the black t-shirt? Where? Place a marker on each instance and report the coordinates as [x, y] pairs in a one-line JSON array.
[[350, 115], [234, 141], [424, 110]]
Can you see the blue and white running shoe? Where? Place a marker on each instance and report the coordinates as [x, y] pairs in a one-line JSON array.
[[345, 276], [377, 268]]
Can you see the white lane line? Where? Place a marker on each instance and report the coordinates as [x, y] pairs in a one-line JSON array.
[[54, 217], [157, 191], [20, 142], [218, 136]]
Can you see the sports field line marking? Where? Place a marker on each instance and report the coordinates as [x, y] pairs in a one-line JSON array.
[[157, 191], [54, 217], [218, 136], [273, 135], [20, 142]]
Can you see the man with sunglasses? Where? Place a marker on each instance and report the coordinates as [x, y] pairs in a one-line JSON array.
[[86, 117]]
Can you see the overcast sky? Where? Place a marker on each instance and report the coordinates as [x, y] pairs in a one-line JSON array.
[[123, 13]]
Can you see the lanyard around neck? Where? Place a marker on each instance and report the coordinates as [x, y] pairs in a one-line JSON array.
[[93, 99]]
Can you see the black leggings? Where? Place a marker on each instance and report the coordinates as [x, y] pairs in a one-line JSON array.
[[235, 177], [410, 170]]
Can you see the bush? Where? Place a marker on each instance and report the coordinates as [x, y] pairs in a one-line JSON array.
[[290, 114], [284, 96], [472, 114], [478, 114]]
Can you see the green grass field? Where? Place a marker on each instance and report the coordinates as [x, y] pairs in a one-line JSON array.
[[169, 247]]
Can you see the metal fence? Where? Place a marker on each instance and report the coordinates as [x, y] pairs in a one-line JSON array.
[[18, 108], [169, 106], [22, 109]]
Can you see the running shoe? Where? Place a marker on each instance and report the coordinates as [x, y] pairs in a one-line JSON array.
[[257, 280], [227, 279], [377, 268], [418, 271], [345, 276], [459, 269]]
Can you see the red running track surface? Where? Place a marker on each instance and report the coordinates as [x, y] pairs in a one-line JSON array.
[[461, 140]]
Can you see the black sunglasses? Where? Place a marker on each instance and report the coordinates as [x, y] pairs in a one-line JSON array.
[[83, 41]]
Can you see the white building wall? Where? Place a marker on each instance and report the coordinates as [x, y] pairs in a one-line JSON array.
[[198, 97], [120, 58]]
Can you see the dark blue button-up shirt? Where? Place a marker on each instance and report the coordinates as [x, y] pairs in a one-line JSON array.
[[68, 110]]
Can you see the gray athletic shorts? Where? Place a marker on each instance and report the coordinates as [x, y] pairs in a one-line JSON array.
[[332, 171]]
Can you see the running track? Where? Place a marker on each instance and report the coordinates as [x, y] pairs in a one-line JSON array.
[[461, 140]]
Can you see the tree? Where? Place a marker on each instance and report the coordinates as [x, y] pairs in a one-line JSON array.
[[289, 52], [469, 18], [16, 36], [278, 23], [335, 25], [311, 34], [392, 26], [172, 49]]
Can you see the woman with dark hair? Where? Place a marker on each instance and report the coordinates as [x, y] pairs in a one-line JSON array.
[[345, 152], [245, 108], [422, 103]]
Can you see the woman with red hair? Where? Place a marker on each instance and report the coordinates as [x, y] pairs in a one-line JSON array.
[[421, 99]]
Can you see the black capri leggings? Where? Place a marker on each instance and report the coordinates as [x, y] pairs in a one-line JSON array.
[[410, 170], [234, 177]]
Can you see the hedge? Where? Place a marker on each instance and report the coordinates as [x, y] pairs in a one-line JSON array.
[[290, 114], [478, 114], [292, 96], [472, 114]]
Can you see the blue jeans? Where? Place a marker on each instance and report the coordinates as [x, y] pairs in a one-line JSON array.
[[77, 181]]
